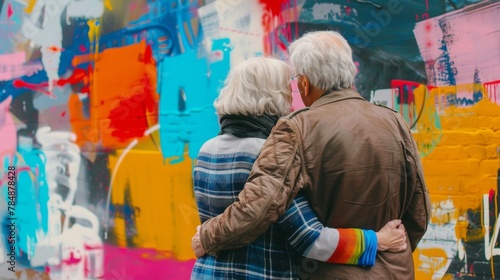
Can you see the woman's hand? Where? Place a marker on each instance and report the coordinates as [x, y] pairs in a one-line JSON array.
[[196, 244], [392, 237]]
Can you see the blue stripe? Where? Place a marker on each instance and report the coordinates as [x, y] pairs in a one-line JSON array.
[[368, 256], [227, 158]]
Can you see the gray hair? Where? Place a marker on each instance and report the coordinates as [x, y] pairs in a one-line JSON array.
[[256, 86], [325, 58]]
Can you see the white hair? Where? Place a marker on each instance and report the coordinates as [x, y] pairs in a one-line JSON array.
[[256, 86], [325, 58]]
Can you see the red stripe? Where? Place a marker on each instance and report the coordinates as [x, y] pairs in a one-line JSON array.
[[345, 250]]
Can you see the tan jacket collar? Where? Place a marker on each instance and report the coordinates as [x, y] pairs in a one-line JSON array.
[[335, 96]]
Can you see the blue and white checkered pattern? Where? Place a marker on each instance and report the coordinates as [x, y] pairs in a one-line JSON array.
[[221, 170]]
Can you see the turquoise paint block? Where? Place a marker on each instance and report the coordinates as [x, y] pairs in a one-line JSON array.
[[189, 83]]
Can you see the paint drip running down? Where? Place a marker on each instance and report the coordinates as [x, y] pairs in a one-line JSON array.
[[274, 6]]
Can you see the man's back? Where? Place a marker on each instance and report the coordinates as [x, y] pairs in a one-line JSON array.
[[364, 171]]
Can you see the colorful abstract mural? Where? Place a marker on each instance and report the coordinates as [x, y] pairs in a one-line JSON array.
[[104, 105]]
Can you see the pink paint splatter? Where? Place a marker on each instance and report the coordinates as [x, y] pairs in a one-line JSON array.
[[7, 128], [10, 11], [72, 259], [144, 264], [428, 26]]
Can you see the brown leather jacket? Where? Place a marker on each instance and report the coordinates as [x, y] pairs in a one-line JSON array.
[[360, 168]]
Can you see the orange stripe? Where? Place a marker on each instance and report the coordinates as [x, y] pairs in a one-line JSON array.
[[345, 248]]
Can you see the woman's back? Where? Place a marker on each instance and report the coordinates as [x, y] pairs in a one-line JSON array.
[[222, 168]]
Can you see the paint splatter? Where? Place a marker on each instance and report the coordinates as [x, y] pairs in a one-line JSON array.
[[36, 87], [274, 7], [78, 76], [179, 128], [138, 264], [29, 8], [122, 104], [55, 49], [10, 11], [107, 4]]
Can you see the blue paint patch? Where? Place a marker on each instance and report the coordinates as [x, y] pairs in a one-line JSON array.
[[200, 82], [128, 213], [8, 89], [32, 196], [158, 28]]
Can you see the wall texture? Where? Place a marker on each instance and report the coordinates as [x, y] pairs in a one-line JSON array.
[[104, 104]]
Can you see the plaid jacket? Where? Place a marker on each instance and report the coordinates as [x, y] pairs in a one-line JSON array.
[[222, 168]]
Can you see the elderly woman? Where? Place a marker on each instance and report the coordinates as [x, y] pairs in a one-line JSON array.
[[256, 94]]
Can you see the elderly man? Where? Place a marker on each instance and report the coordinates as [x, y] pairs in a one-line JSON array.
[[356, 161]]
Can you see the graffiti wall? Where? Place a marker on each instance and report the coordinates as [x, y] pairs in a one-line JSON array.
[[104, 105]]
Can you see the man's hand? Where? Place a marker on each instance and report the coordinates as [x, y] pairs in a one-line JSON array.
[[196, 244], [392, 237]]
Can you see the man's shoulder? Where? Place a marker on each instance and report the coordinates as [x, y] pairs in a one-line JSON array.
[[296, 112], [383, 106]]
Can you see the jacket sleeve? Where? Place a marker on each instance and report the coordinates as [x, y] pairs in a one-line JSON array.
[[268, 192], [417, 215], [307, 235]]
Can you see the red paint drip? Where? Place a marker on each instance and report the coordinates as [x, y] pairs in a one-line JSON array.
[[10, 11], [72, 259], [78, 76], [273, 6], [282, 46], [36, 87], [85, 89], [272, 18], [348, 10], [86, 265], [147, 57], [55, 49]]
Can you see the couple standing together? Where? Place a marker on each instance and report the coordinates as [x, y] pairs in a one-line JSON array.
[[339, 182]]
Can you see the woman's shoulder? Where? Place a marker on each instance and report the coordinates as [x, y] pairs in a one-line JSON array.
[[229, 144]]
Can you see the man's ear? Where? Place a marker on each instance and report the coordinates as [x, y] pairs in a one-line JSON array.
[[306, 85]]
